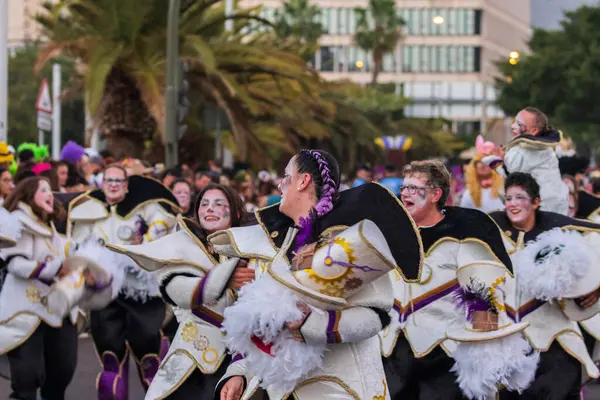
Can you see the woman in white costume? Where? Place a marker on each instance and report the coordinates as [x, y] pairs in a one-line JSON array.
[[556, 285], [41, 345], [307, 328], [197, 357]]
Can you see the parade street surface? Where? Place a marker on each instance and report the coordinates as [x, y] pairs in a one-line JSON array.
[[83, 384]]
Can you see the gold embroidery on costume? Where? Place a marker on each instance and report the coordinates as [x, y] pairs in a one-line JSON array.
[[214, 356], [382, 397], [201, 343], [336, 286], [189, 331], [33, 294]]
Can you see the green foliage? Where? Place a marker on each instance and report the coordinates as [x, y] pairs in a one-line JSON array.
[[378, 31], [560, 76], [299, 19], [23, 89]]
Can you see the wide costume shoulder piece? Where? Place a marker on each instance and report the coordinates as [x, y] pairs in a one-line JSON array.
[[588, 206], [555, 264], [198, 342], [343, 277], [147, 211]]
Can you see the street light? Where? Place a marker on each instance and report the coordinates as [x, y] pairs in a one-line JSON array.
[[513, 61], [438, 20], [359, 64], [514, 54], [172, 145]]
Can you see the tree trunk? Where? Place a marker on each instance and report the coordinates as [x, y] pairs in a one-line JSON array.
[[124, 144], [377, 61]]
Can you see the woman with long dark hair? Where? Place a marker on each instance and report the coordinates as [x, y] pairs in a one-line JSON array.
[[41, 346], [197, 357]]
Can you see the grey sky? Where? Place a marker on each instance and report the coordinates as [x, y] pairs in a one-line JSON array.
[[548, 13]]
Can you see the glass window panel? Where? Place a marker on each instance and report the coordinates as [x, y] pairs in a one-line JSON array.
[[425, 58], [451, 59], [443, 59], [406, 57], [414, 20], [452, 21], [471, 22], [333, 21], [435, 59], [342, 21], [325, 19], [351, 22], [326, 59]]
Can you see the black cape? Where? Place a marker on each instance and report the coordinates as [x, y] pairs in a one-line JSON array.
[[587, 204], [372, 202], [465, 223], [141, 189], [546, 138], [544, 221]]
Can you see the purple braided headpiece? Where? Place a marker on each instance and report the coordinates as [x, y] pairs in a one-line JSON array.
[[325, 203]]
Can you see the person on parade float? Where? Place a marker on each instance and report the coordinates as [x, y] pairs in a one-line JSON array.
[[484, 186], [319, 253], [465, 267], [556, 285], [39, 338], [197, 357], [127, 210], [531, 151]]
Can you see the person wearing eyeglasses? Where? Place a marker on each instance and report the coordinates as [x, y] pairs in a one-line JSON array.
[[127, 210], [451, 322]]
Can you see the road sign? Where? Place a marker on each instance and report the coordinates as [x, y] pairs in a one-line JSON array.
[[44, 121], [44, 102]]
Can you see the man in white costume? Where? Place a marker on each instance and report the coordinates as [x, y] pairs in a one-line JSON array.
[[556, 286], [457, 242], [127, 210]]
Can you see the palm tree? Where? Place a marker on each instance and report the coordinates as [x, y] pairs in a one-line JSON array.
[[297, 18], [378, 31], [119, 48]]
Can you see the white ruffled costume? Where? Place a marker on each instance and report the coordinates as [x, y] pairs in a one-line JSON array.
[[339, 357], [198, 342], [543, 298]]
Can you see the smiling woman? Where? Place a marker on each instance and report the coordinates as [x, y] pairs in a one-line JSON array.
[[219, 207]]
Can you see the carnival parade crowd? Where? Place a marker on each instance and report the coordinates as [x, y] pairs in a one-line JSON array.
[[478, 281]]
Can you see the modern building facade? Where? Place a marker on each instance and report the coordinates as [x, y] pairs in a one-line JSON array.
[[22, 27], [445, 62]]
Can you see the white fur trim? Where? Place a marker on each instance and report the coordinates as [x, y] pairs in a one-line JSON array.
[[113, 263], [557, 273], [262, 309], [181, 288], [482, 366]]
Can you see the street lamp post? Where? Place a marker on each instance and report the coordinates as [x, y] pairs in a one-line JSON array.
[[3, 69], [172, 145]]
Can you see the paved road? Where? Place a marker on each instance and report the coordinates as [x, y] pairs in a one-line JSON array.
[[83, 385]]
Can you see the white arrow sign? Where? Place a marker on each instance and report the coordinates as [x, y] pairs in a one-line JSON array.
[[44, 102]]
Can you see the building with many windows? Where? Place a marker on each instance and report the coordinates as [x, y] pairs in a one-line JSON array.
[[445, 62]]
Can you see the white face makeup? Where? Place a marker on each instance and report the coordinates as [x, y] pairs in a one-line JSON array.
[[519, 126], [417, 197], [520, 207], [183, 194], [44, 198], [288, 196], [214, 211]]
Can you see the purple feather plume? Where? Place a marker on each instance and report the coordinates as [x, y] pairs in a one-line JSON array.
[[463, 298], [305, 232]]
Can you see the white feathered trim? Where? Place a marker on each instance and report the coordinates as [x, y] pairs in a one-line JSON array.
[[482, 366], [113, 263], [262, 309], [139, 285], [10, 226], [555, 274]]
